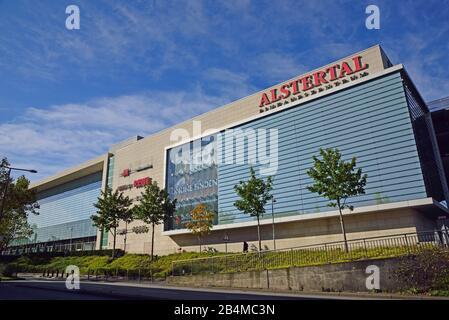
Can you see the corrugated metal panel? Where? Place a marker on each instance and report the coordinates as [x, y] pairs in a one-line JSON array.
[[370, 121]]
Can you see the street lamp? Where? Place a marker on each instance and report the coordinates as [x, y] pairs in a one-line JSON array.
[[8, 175], [273, 200], [226, 240]]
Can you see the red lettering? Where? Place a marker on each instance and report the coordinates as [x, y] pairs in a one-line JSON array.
[[333, 72], [345, 70], [294, 85], [142, 182], [358, 64], [285, 91], [314, 80], [319, 78], [274, 95], [264, 100], [306, 83]]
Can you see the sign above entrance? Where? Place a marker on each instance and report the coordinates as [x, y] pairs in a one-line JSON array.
[[313, 83]]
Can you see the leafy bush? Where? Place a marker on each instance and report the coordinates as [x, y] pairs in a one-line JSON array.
[[424, 272], [131, 265]]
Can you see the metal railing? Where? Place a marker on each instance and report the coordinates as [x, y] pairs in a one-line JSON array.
[[108, 274], [325, 253]]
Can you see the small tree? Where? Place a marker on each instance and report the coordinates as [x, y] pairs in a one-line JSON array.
[[19, 203], [111, 208], [201, 221], [254, 195], [337, 180], [155, 207], [127, 217]]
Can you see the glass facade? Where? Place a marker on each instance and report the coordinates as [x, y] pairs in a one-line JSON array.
[[441, 124], [192, 178], [64, 231], [65, 211]]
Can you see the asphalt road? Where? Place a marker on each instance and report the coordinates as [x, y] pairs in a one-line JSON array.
[[55, 290], [34, 291]]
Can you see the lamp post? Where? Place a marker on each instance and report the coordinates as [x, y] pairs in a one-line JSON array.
[[273, 200], [226, 240], [5, 192]]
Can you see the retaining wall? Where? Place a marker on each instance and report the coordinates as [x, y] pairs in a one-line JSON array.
[[348, 276]]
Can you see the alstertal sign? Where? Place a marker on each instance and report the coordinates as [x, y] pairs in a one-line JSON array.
[[313, 83]]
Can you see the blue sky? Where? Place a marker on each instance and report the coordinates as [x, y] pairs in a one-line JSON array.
[[136, 67]]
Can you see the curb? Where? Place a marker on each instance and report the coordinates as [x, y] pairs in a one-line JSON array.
[[324, 295]]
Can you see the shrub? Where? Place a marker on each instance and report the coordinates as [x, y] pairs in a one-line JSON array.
[[10, 270], [426, 271]]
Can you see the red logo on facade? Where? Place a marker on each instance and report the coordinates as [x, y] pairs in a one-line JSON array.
[[139, 183], [125, 173], [313, 80]]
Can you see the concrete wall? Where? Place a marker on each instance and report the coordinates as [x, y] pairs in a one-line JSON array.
[[348, 277], [295, 233]]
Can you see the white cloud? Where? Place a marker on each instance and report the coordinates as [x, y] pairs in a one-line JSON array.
[[51, 139]]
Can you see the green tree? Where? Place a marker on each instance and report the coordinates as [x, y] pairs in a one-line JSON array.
[[201, 221], [254, 195], [155, 207], [127, 217], [19, 203], [112, 207], [337, 180]]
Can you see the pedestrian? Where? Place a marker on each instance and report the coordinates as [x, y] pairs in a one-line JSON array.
[[245, 246]]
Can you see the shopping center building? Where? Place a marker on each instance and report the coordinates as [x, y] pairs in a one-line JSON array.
[[362, 104]]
